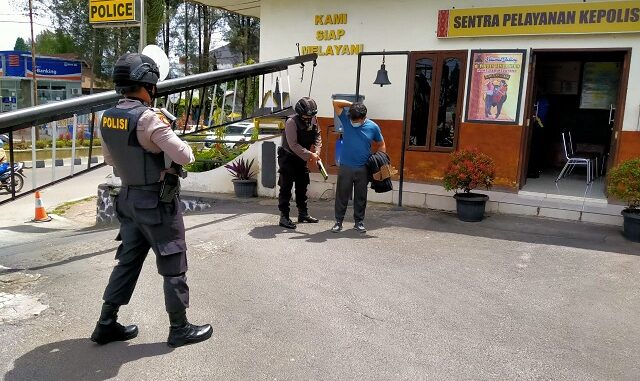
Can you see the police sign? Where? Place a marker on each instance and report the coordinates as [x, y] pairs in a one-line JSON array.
[[114, 11]]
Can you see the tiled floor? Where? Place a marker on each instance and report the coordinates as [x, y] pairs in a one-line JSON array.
[[574, 185]]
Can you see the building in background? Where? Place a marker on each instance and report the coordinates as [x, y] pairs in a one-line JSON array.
[[476, 76], [58, 79], [225, 58]]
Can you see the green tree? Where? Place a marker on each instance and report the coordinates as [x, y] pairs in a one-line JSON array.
[[58, 42], [243, 34], [21, 45]]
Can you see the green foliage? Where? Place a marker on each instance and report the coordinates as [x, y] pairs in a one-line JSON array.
[[624, 182], [40, 144], [211, 158], [243, 34], [241, 169], [58, 42], [469, 170], [21, 45]]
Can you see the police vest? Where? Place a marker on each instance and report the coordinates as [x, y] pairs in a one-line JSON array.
[[306, 134], [135, 165]]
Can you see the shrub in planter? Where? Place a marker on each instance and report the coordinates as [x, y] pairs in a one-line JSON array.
[[468, 170], [244, 182], [624, 184]]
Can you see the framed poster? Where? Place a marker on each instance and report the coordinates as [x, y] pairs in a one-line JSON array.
[[495, 86], [600, 85]]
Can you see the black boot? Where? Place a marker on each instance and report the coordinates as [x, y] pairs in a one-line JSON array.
[[108, 329], [286, 222], [307, 218], [182, 332]]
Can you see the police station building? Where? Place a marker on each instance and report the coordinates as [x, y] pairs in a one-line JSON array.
[[506, 77]]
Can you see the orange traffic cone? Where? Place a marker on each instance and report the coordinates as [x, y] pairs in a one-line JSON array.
[[41, 214]]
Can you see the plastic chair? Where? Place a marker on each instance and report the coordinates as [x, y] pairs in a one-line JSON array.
[[573, 160]]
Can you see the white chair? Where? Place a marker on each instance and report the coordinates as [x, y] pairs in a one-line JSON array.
[[573, 161]]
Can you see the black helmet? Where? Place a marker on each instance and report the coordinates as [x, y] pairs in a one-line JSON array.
[[306, 107], [135, 69]]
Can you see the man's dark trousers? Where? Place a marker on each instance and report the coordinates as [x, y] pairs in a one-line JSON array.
[[146, 223], [356, 179], [293, 171]]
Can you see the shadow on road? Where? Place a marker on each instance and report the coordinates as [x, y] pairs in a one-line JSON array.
[[80, 360], [271, 231], [30, 229]]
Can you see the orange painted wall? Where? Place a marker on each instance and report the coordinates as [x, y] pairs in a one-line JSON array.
[[501, 142], [629, 146]]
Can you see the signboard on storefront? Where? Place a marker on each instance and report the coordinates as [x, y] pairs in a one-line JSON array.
[[109, 12], [18, 64], [495, 86], [50, 68], [574, 18]]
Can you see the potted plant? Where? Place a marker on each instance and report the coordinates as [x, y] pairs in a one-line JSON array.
[[468, 170], [244, 183], [624, 184]]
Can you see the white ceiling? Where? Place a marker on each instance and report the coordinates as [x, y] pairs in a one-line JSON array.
[[243, 7]]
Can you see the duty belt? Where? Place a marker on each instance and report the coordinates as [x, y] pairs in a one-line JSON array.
[[150, 187]]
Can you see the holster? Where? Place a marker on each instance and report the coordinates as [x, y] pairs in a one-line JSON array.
[[170, 187]]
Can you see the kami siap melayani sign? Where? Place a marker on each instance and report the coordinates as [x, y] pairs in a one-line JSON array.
[[109, 12], [576, 18]]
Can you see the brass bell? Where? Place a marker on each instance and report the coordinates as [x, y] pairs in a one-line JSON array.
[[382, 78]]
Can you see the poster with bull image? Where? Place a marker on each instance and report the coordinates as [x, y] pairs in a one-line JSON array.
[[495, 86]]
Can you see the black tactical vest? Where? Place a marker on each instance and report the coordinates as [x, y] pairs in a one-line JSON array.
[[306, 134], [135, 165]]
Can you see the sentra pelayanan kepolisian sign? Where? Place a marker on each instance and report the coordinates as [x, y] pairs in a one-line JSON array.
[[113, 11], [575, 18]]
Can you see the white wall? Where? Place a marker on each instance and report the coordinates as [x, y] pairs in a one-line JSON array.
[[403, 25], [219, 180]]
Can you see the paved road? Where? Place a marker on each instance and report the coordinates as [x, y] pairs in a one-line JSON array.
[[421, 296], [43, 176], [15, 214]]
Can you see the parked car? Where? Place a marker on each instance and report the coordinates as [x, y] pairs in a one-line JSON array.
[[239, 132]]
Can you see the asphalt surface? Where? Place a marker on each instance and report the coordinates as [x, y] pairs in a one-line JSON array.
[[420, 296]]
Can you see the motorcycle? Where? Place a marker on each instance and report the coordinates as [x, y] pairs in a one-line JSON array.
[[18, 176]]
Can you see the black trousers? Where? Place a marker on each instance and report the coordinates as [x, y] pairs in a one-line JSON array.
[[293, 171], [146, 223], [356, 179]]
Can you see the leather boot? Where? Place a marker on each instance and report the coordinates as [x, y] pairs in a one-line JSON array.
[[108, 329], [286, 222], [307, 218], [182, 332]]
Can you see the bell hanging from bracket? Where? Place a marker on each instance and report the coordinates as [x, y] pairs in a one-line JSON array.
[[382, 78]]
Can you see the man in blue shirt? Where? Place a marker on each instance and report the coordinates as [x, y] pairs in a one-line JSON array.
[[358, 135]]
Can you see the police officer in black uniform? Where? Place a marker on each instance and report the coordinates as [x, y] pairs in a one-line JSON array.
[[301, 143], [136, 139]]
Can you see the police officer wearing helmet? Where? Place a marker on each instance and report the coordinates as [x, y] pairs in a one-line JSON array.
[[301, 143], [136, 139]]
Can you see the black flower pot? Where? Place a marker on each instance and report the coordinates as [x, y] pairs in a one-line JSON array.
[[631, 224], [245, 188], [470, 206]]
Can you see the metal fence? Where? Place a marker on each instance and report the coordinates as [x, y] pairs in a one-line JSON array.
[[60, 140]]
